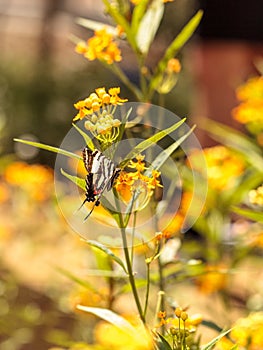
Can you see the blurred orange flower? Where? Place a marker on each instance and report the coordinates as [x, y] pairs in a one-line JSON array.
[[214, 279], [36, 179], [250, 111]]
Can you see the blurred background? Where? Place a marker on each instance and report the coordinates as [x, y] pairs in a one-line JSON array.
[[41, 77]]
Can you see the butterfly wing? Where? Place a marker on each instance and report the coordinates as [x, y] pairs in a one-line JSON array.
[[101, 175]]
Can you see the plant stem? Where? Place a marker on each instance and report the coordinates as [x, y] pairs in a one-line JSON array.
[[131, 274], [147, 289]]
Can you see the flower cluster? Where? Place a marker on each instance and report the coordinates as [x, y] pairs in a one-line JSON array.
[[181, 327], [256, 196], [98, 108], [128, 182], [101, 46], [251, 96]]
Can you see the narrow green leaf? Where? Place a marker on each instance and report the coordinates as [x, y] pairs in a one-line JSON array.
[[138, 14], [142, 146], [174, 47], [162, 343], [121, 20], [76, 180], [249, 214], [109, 316], [149, 25], [86, 137], [49, 148], [211, 344], [76, 279], [156, 164], [236, 140], [166, 153], [107, 251]]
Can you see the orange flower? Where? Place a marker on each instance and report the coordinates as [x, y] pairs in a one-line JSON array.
[[101, 46], [36, 180], [96, 100]]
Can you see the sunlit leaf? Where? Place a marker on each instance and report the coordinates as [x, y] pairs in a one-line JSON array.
[[109, 316], [174, 47], [107, 251], [75, 179], [162, 343], [49, 148], [145, 144], [76, 279], [149, 25], [249, 214], [211, 344], [166, 153], [86, 137]]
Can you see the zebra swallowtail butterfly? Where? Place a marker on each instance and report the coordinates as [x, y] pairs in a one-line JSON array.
[[101, 176]]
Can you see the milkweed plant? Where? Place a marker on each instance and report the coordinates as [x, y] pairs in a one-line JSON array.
[[139, 180]]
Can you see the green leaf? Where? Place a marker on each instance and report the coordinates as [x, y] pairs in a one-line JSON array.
[[76, 180], [174, 47], [138, 14], [249, 214], [211, 344], [149, 25], [86, 137], [107, 251], [162, 343], [49, 148], [121, 20], [109, 316], [166, 153], [76, 279], [142, 146], [234, 139]]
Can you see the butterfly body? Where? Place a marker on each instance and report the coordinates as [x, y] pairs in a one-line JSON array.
[[101, 175]]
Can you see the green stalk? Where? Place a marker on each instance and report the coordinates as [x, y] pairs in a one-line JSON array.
[[147, 288], [128, 260]]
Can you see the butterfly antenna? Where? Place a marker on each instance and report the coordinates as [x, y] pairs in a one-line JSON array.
[[80, 206], [94, 205]]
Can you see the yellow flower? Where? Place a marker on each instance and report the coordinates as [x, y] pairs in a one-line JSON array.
[[256, 196], [174, 65], [101, 46], [250, 111], [223, 166], [128, 182], [96, 100], [251, 90], [247, 332]]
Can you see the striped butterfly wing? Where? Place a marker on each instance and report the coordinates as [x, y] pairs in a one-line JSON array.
[[101, 175]]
